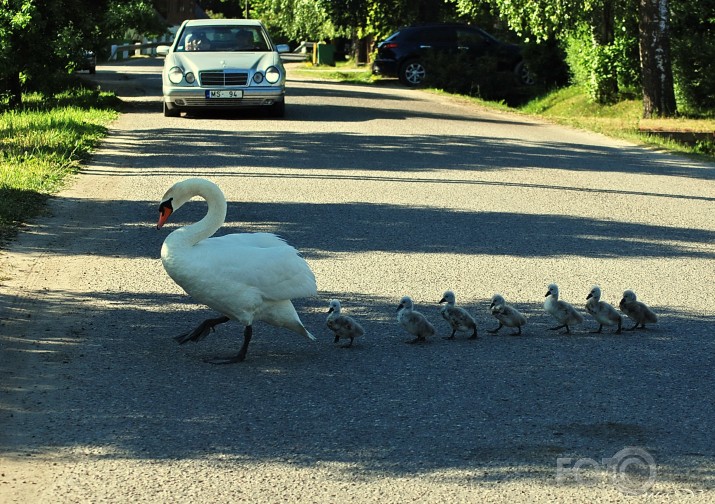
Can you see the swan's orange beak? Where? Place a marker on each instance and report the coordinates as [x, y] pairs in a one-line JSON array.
[[165, 210]]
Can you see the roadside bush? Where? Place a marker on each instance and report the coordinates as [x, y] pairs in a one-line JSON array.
[[483, 78], [693, 53]]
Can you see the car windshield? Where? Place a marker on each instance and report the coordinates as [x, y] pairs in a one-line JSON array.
[[222, 38]]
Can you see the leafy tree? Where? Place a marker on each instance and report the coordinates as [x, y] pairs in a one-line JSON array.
[[693, 50], [294, 19], [42, 40], [545, 18]]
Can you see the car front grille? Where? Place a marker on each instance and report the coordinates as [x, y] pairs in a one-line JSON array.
[[224, 102], [221, 78]]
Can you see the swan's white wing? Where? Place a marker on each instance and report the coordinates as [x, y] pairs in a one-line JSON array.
[[236, 262]]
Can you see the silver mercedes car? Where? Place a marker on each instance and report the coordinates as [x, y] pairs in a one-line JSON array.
[[223, 64]]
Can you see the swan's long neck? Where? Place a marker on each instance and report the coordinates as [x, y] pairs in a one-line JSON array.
[[215, 216]]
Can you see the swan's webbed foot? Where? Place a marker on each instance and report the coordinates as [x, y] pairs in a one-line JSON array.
[[201, 331], [474, 335], [518, 332], [241, 356]]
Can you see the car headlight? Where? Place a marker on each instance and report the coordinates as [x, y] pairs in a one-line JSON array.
[[176, 75], [190, 77], [258, 77], [273, 75]]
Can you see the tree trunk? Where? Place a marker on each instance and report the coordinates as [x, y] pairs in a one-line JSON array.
[[656, 69], [604, 72], [14, 88]]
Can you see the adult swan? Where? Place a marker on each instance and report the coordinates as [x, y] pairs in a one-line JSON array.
[[244, 276]]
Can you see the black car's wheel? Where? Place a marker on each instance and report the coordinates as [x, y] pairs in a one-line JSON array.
[[523, 74], [170, 112], [412, 73], [278, 109]]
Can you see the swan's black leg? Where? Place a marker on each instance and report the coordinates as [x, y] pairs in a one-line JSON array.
[[201, 331], [247, 333]]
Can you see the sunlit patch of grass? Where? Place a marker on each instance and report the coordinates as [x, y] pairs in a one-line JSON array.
[[42, 144], [571, 106]]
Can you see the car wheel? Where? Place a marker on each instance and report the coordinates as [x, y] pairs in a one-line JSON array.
[[523, 74], [92, 70], [170, 112], [412, 73], [278, 109]]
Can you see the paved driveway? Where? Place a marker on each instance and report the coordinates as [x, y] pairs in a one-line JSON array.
[[387, 191]]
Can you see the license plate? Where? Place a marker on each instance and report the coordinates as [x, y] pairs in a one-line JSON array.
[[228, 93]]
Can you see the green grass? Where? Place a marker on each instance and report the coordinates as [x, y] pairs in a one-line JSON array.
[[42, 144]]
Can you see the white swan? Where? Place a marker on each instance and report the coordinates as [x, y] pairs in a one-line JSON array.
[[244, 276], [563, 312], [413, 321], [604, 313], [458, 318], [506, 314], [636, 311], [342, 326]]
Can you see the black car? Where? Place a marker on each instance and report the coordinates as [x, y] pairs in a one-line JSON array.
[[404, 53]]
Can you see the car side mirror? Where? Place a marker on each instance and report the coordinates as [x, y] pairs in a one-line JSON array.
[[162, 50], [283, 48]]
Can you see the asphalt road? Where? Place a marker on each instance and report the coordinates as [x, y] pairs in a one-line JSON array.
[[387, 192]]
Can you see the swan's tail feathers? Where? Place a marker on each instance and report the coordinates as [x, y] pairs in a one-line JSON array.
[[310, 336], [201, 331]]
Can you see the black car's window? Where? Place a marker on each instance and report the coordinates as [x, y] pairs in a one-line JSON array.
[[438, 36], [471, 39]]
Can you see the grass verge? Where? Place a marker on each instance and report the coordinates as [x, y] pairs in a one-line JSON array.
[[42, 144]]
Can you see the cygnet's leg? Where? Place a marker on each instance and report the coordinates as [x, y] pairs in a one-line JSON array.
[[618, 331], [201, 331], [349, 344], [247, 333], [418, 339], [494, 331], [567, 331], [337, 338], [634, 327], [474, 334], [559, 327], [518, 333], [598, 331], [454, 331]]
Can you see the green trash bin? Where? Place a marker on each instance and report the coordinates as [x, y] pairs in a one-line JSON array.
[[324, 54]]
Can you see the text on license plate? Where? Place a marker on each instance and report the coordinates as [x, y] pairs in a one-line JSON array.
[[228, 93]]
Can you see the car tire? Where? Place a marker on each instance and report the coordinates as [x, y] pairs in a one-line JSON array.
[[412, 73], [92, 70], [170, 112], [278, 109], [523, 74]]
